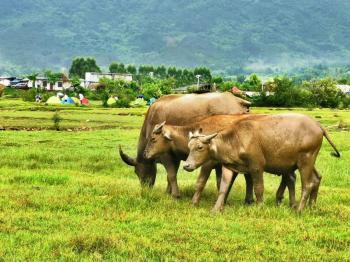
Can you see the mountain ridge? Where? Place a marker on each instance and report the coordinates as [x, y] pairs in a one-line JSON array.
[[223, 35]]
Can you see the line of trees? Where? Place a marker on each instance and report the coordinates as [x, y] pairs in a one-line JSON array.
[[155, 81], [182, 76], [288, 92]]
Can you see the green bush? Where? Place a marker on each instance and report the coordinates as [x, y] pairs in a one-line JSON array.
[[11, 92], [150, 90], [2, 89], [324, 92], [116, 88], [345, 102], [29, 95], [56, 119]]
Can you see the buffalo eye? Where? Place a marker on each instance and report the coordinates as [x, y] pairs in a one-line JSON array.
[[153, 139], [200, 147]]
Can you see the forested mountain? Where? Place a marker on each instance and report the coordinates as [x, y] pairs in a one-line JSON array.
[[224, 35]]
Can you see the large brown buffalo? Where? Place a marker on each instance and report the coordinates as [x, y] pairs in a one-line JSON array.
[[278, 144], [178, 110], [172, 139]]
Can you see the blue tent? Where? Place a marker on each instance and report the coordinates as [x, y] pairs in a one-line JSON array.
[[152, 100], [67, 101]]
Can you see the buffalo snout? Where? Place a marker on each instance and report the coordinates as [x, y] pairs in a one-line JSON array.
[[188, 167]]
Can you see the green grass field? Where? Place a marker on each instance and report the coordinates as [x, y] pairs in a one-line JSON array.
[[66, 195]]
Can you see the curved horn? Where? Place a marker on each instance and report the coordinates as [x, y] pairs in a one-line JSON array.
[[128, 160], [245, 102], [158, 128], [207, 139]]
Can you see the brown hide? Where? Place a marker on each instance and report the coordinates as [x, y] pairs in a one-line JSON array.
[[160, 144], [275, 141], [278, 144], [180, 110]]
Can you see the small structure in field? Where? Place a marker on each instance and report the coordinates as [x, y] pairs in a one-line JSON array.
[[42, 82], [345, 89], [6, 80]]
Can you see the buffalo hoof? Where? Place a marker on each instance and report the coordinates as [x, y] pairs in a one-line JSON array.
[[168, 190], [279, 202], [195, 201], [248, 201], [215, 210], [176, 196], [293, 205]]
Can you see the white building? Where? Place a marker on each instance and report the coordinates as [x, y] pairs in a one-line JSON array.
[[344, 88], [6, 80], [43, 83], [94, 78]]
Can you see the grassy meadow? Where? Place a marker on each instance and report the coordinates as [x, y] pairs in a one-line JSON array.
[[66, 195]]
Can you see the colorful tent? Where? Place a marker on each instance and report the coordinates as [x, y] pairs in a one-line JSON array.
[[53, 100], [76, 100], [111, 101], [84, 101], [67, 101], [152, 100]]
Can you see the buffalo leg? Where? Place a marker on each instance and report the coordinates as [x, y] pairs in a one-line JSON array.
[[201, 182], [248, 189], [234, 176], [224, 186], [316, 184], [258, 183], [168, 188], [288, 180], [218, 171], [281, 189], [172, 167], [306, 174], [291, 189]]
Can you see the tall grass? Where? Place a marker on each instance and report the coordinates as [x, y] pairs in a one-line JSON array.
[[68, 196]]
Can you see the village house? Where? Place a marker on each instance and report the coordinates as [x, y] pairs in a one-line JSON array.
[[6, 80], [92, 78], [345, 89], [43, 83]]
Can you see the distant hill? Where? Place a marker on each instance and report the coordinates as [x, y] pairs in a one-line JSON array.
[[222, 34]]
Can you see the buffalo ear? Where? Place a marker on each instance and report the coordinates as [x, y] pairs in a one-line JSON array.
[[127, 159], [197, 132], [245, 103], [158, 128], [207, 139], [167, 135]]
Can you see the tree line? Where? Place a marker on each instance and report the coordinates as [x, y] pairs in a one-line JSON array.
[[155, 81], [285, 91], [182, 76]]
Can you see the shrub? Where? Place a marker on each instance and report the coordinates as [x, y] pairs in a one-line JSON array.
[[56, 119], [11, 92], [324, 92], [345, 101], [29, 95], [150, 90], [2, 89]]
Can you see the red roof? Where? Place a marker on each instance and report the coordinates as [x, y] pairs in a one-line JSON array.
[[236, 90]]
